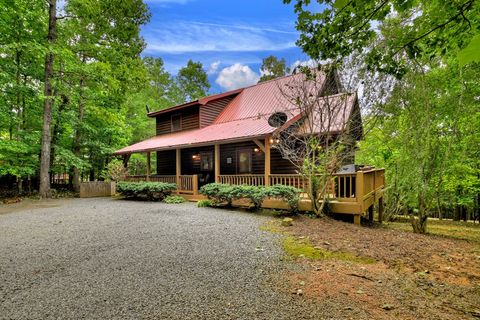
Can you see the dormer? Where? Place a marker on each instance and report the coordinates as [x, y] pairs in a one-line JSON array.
[[192, 115]]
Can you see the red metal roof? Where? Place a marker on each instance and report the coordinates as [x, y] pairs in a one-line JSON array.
[[227, 131], [202, 101], [245, 117]]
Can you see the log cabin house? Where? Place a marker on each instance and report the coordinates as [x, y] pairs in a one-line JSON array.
[[227, 138]]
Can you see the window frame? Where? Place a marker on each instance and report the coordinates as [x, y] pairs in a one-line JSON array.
[[211, 164], [179, 115], [250, 158]]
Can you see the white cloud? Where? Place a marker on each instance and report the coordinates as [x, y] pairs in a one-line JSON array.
[[308, 63], [187, 37], [246, 27], [213, 67], [236, 76]]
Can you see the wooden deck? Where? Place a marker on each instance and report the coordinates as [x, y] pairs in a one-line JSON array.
[[349, 193]]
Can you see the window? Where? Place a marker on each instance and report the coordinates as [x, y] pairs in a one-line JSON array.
[[245, 161], [176, 122], [206, 161]]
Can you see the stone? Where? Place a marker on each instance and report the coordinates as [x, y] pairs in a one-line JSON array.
[[387, 306], [287, 222]]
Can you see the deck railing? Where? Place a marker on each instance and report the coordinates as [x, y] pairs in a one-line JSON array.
[[360, 186], [345, 186], [249, 179], [294, 180], [153, 178], [187, 184]]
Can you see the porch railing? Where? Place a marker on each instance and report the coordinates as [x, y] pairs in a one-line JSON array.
[[153, 178], [294, 180], [187, 184], [360, 186], [249, 179]]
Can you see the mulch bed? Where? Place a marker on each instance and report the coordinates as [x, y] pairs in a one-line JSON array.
[[415, 276]]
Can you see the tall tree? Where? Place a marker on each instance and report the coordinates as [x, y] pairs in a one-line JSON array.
[[44, 190], [101, 43], [158, 91], [272, 68], [193, 81], [421, 135], [428, 29], [23, 26]]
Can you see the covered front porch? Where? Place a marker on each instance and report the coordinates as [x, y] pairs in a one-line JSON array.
[[255, 162]]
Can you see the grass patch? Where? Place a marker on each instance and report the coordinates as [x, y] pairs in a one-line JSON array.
[[174, 199], [204, 203], [272, 226], [446, 228], [302, 248]]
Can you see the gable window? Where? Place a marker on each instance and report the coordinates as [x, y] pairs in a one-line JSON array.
[[176, 122], [244, 161]]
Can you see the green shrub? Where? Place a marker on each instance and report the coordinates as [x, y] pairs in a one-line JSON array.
[[115, 171], [255, 194], [204, 203], [174, 199], [222, 194], [218, 193], [151, 191], [291, 195]]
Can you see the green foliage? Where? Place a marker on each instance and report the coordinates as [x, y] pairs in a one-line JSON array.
[[289, 194], [394, 32], [193, 81], [224, 194], [205, 203], [115, 171], [428, 140], [470, 53], [255, 194], [272, 68], [174, 199], [218, 193], [150, 191], [97, 64]]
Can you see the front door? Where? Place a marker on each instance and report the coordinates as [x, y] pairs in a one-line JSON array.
[[207, 174]]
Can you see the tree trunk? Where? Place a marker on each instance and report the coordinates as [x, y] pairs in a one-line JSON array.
[[48, 103], [419, 224], [57, 128], [78, 136]]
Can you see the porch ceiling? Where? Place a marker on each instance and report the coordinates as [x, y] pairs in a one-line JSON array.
[[217, 133]]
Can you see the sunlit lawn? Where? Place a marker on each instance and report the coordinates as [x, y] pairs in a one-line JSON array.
[[448, 228]]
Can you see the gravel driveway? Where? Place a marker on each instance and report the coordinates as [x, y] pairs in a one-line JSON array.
[[116, 259]]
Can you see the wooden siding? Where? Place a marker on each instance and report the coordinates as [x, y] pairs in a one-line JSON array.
[[211, 110], [231, 151], [190, 120], [166, 162], [189, 164], [280, 165]]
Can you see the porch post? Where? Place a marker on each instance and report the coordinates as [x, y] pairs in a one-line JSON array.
[[267, 161], [195, 184], [149, 169], [178, 167], [380, 209], [359, 190], [125, 160], [217, 163]]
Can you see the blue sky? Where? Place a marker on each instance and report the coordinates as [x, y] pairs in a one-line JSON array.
[[229, 37]]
